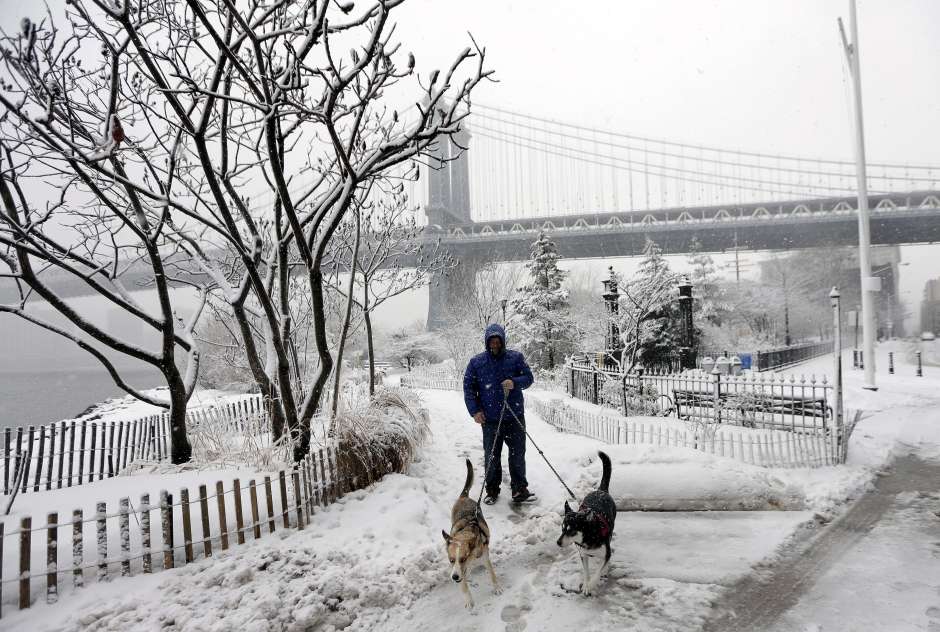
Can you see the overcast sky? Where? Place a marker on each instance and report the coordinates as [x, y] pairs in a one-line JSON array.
[[751, 74]]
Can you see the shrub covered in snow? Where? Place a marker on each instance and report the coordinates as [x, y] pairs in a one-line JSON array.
[[218, 443], [380, 436], [630, 400], [553, 379]]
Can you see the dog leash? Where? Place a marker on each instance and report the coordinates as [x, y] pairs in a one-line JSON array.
[[535, 445], [489, 460]]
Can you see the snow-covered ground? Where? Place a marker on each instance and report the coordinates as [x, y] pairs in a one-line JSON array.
[[375, 560]]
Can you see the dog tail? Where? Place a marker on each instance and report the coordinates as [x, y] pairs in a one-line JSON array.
[[466, 486], [605, 477]]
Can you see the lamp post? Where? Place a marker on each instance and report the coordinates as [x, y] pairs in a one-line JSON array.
[[869, 284], [686, 359], [837, 365], [612, 302], [504, 302]]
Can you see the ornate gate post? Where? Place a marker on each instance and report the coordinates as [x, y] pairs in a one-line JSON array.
[[686, 356], [613, 345]]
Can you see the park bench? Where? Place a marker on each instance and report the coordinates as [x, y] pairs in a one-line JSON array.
[[767, 403]]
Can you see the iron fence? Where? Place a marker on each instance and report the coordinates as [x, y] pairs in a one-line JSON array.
[[755, 401], [760, 360], [783, 357]]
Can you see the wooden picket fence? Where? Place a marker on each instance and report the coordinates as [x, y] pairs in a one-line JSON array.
[[764, 447], [241, 512], [440, 380], [69, 453]]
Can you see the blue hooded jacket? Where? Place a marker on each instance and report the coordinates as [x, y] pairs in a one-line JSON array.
[[482, 381]]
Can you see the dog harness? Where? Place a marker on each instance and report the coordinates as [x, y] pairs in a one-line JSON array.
[[605, 527]]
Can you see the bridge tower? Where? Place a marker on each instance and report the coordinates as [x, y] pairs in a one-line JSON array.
[[449, 181], [449, 204]]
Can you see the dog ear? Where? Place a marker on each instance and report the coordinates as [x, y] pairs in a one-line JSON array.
[[446, 535], [567, 508]]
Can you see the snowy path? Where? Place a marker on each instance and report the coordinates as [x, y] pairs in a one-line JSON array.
[[375, 560], [873, 569]]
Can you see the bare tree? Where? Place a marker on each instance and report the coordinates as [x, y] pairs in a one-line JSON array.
[[248, 134], [587, 307], [791, 282], [476, 302], [85, 204], [411, 346], [391, 260]]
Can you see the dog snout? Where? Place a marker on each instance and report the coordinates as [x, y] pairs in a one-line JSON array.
[[455, 577], [560, 543]]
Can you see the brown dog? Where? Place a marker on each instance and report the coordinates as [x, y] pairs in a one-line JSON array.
[[469, 539]]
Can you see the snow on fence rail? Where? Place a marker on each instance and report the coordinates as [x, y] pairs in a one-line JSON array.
[[130, 546], [768, 448], [67, 453]]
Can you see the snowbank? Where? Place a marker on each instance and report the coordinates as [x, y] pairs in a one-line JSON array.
[[680, 479]]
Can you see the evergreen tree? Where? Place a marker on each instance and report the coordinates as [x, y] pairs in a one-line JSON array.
[[546, 331], [703, 271], [707, 292], [648, 317]]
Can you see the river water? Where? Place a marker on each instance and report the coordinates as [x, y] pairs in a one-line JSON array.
[[39, 397]]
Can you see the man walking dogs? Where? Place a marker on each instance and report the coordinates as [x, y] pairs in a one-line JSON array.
[[488, 376]]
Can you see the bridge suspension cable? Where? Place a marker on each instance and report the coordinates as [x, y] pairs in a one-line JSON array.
[[528, 166]]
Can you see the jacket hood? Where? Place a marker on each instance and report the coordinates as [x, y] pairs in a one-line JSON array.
[[494, 330]]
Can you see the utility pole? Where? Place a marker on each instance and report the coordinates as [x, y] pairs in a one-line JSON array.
[[869, 284]]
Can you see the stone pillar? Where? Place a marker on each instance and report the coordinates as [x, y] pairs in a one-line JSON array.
[[612, 343], [686, 354], [448, 205], [447, 289], [449, 181]]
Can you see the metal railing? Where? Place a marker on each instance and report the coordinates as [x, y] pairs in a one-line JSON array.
[[757, 401], [770, 359]]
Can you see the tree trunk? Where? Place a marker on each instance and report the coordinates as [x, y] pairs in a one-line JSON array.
[[346, 317], [368, 318], [278, 421], [267, 388], [302, 446], [180, 449]]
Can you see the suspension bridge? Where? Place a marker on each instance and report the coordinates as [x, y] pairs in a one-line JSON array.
[[603, 193], [600, 193]]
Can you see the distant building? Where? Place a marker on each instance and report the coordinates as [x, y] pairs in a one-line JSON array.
[[930, 307]]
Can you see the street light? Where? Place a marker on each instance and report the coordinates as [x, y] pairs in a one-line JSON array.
[[504, 302]]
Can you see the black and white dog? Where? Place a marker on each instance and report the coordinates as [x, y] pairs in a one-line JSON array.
[[591, 527]]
